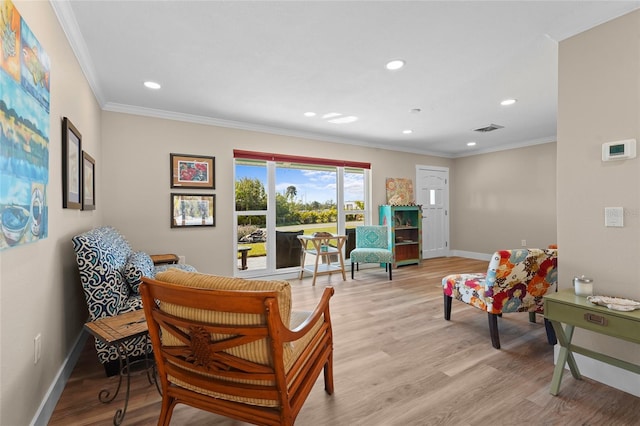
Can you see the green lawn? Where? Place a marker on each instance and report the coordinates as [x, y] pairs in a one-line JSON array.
[[259, 249]]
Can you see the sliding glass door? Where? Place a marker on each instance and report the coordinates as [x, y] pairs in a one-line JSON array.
[[276, 200]]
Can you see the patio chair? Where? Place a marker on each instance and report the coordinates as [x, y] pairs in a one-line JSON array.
[[288, 249]]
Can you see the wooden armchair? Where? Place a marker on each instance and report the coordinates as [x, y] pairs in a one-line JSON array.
[[234, 347]]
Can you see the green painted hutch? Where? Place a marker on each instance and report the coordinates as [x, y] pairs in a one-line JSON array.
[[405, 232]]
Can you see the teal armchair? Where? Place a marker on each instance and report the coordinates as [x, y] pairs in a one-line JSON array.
[[372, 246]]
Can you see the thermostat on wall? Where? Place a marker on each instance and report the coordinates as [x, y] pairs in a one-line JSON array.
[[619, 150]]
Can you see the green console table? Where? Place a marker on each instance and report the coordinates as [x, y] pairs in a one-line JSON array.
[[564, 307]]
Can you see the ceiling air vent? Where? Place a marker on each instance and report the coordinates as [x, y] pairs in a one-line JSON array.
[[490, 128]]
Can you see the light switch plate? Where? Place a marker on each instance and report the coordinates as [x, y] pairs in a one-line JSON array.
[[614, 216]]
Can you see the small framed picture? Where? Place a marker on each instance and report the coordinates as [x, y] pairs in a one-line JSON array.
[[192, 171], [88, 182], [71, 166], [193, 210]]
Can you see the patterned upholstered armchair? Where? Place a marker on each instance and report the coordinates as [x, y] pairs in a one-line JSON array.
[[372, 246], [515, 281], [110, 274]]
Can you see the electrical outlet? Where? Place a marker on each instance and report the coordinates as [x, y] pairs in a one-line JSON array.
[[182, 260], [524, 243], [37, 348]]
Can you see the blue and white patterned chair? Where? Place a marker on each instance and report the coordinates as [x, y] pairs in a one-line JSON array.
[[110, 274], [372, 246]]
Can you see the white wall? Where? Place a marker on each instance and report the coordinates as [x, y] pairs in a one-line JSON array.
[[136, 166], [39, 288], [518, 201], [501, 198], [599, 101]]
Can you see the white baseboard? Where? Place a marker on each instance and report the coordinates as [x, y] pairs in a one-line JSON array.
[[471, 255], [48, 404], [602, 372]]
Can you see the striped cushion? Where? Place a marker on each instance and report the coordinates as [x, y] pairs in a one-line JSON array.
[[256, 351]]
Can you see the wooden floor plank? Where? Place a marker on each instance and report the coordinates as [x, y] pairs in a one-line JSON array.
[[398, 362]]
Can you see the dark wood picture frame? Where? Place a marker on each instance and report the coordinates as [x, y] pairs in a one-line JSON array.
[[71, 166], [193, 210], [88, 182], [192, 171]]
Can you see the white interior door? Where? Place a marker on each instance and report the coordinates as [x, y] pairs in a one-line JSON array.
[[432, 192]]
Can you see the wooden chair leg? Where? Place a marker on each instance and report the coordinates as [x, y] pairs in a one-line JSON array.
[[532, 317], [328, 375], [166, 411], [390, 277], [551, 333], [352, 270], [447, 307], [493, 330]]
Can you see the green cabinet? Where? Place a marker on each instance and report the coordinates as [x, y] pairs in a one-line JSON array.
[[405, 232]]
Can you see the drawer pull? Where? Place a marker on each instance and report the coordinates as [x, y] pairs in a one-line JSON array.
[[596, 319]]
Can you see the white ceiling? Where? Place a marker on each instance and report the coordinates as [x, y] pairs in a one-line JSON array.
[[261, 64]]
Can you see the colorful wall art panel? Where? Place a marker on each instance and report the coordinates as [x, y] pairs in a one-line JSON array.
[[24, 131], [400, 192]]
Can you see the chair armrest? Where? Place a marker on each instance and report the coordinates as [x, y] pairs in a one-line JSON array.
[[159, 259], [321, 309]]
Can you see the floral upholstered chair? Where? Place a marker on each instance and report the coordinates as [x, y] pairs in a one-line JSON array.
[[515, 281], [110, 274], [372, 246]]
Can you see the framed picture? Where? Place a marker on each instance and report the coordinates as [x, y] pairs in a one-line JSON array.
[[193, 210], [88, 182], [192, 171], [71, 166]]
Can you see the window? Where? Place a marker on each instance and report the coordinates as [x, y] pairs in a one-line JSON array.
[[279, 197]]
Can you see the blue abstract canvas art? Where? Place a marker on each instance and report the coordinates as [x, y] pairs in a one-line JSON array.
[[24, 131]]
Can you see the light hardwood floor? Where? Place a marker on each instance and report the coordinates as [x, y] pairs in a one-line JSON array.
[[398, 362]]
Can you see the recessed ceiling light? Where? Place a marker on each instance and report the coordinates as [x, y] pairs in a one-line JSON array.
[[471, 144], [309, 114], [396, 64], [343, 120], [152, 85], [407, 132], [507, 102]]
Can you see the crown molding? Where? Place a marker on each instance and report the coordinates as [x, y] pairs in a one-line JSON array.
[[209, 121], [251, 127], [69, 24], [515, 145]]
